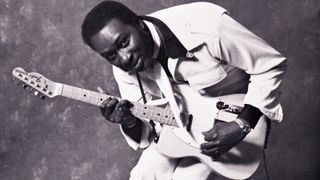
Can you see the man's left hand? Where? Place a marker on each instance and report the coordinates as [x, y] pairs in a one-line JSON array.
[[221, 138]]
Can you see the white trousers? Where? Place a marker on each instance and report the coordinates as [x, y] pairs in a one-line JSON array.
[[154, 166]]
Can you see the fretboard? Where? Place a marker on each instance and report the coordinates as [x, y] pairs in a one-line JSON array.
[[141, 111]]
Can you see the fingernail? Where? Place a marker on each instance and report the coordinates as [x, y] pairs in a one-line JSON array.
[[214, 135]]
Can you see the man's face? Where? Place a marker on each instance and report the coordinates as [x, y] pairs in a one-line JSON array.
[[126, 46]]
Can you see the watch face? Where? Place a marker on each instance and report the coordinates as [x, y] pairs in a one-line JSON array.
[[246, 129]]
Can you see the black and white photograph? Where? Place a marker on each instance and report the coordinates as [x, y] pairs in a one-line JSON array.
[[159, 90]]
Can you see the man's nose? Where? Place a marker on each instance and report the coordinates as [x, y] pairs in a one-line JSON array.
[[126, 57]]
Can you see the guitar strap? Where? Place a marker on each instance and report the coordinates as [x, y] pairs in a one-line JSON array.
[[163, 82], [154, 131], [141, 89]]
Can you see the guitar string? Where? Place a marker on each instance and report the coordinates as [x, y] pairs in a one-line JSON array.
[[152, 112]]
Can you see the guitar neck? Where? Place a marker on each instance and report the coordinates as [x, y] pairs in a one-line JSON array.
[[141, 111]]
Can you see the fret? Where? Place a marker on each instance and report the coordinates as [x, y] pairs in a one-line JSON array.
[[163, 116], [101, 98], [83, 95], [93, 98]]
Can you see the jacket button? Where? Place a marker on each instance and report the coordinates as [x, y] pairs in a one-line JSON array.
[[189, 55]]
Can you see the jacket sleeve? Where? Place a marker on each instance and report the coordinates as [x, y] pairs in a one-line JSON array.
[[129, 90], [265, 65]]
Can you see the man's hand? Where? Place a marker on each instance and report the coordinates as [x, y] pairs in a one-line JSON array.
[[221, 138], [118, 112]]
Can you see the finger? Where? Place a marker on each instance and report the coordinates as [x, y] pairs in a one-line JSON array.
[[116, 116], [214, 153], [103, 105], [109, 107], [125, 103], [106, 101], [120, 113], [210, 145], [113, 102], [100, 90], [211, 136]]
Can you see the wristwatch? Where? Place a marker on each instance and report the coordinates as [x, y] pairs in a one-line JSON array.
[[244, 126]]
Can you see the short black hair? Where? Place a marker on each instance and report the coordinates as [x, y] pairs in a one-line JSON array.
[[101, 14]]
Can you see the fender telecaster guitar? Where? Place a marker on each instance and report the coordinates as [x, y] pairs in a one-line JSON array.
[[238, 163]]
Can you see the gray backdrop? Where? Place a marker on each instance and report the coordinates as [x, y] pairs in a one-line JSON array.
[[66, 139]]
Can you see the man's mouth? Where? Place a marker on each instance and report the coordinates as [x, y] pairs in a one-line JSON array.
[[138, 65]]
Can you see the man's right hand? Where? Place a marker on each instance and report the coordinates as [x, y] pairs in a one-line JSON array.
[[118, 112]]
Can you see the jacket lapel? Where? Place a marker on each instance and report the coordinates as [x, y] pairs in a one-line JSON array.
[[177, 37], [172, 46]]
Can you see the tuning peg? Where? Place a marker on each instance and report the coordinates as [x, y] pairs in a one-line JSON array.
[[36, 93], [18, 82], [30, 89], [42, 97]]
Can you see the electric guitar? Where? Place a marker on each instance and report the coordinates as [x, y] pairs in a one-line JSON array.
[[239, 162]]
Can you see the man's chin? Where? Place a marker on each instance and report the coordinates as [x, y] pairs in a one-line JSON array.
[[133, 71], [126, 69]]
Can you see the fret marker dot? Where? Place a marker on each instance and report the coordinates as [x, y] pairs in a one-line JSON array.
[[101, 99], [158, 114], [84, 95]]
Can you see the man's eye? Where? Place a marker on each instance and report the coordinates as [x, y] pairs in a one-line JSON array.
[[124, 43], [110, 57]]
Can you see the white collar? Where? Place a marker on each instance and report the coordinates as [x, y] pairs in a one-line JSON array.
[[155, 38], [172, 64]]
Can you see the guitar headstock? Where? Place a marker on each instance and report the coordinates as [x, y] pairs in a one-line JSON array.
[[36, 83]]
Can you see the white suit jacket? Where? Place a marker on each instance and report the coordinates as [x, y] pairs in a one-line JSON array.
[[230, 58]]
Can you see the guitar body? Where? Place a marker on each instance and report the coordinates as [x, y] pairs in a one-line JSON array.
[[238, 163]]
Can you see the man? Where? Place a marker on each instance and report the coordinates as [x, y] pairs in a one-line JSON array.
[[196, 44]]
